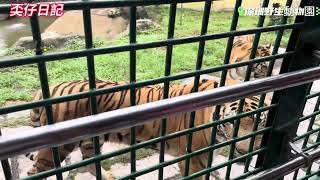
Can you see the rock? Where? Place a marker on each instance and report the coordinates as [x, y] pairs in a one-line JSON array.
[[125, 12], [142, 26], [145, 24], [49, 39]]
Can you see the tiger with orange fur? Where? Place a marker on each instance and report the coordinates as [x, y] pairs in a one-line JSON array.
[[241, 50], [117, 100]]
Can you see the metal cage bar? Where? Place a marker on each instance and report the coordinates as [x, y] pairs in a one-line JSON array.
[[92, 81], [288, 167], [43, 76], [166, 88], [133, 64], [204, 28]]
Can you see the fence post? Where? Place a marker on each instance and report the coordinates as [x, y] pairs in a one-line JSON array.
[[291, 101]]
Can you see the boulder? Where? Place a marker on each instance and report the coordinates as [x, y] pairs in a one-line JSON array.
[[143, 25], [125, 12], [49, 39]]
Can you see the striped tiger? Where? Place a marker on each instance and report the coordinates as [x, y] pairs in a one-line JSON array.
[[246, 124], [241, 50], [112, 101]]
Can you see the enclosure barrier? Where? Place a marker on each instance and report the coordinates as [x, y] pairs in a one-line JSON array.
[[104, 123], [292, 165], [281, 123]]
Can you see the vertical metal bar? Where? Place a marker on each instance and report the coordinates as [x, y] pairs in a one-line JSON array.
[[36, 34], [204, 28], [92, 82], [6, 167], [247, 78], [263, 96], [171, 25], [132, 34], [233, 27]]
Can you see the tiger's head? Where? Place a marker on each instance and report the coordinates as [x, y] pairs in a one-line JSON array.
[[260, 69], [246, 123], [242, 53]]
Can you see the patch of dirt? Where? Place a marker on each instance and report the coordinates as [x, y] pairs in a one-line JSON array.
[[102, 25]]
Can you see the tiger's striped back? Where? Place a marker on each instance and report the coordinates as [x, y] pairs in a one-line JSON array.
[[117, 100], [106, 102]]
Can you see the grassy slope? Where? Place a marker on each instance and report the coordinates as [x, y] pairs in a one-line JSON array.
[[18, 83]]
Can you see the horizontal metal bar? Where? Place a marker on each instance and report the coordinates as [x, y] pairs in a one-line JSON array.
[[286, 168], [81, 128], [307, 177], [80, 5], [313, 146], [249, 173], [114, 49], [306, 134], [313, 95], [309, 116], [198, 152], [234, 160], [10, 109]]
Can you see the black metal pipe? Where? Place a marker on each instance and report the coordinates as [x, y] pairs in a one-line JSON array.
[[85, 127], [287, 168]]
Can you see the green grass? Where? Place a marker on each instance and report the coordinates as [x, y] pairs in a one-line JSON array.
[[125, 158], [18, 83]]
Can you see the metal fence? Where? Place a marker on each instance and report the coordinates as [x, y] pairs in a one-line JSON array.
[[284, 112]]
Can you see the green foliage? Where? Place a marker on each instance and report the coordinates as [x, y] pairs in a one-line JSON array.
[[18, 52]]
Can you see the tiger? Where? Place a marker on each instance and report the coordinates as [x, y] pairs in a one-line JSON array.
[[241, 50], [230, 109], [107, 102]]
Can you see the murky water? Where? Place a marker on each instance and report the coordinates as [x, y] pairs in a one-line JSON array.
[[13, 29]]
